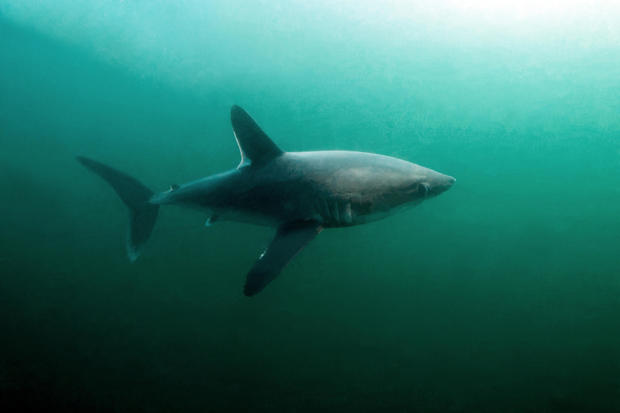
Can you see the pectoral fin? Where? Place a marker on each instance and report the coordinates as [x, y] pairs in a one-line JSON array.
[[289, 240]]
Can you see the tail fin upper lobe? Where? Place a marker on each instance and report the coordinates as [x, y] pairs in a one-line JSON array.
[[142, 214]]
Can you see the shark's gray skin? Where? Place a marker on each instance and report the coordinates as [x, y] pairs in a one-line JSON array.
[[299, 193]]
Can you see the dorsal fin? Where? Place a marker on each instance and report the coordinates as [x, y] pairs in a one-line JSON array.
[[254, 144]]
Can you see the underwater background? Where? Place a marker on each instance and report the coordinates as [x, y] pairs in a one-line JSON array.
[[501, 295]]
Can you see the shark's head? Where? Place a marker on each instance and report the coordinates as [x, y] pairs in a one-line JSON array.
[[433, 183], [406, 182], [391, 183]]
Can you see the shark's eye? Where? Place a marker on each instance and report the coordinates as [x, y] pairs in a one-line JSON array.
[[423, 189]]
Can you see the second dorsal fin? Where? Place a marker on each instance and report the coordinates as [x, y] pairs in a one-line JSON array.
[[254, 144]]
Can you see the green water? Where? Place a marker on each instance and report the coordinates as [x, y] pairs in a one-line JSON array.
[[500, 295]]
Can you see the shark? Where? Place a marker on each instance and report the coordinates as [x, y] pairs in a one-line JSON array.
[[298, 193]]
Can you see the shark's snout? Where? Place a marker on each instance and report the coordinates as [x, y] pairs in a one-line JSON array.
[[441, 184]]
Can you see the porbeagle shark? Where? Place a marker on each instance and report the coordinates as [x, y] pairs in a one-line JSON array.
[[299, 193]]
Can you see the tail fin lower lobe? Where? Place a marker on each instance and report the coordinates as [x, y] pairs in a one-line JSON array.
[[142, 214]]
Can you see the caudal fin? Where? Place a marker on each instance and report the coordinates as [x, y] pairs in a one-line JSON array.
[[142, 214]]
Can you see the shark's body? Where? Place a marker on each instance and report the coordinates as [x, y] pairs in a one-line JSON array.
[[300, 193]]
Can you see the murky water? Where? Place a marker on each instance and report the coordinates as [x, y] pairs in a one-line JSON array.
[[502, 294]]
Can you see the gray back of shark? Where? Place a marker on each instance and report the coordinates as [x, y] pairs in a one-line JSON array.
[[299, 193]]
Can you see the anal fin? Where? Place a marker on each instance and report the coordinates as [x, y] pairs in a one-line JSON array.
[[211, 220]]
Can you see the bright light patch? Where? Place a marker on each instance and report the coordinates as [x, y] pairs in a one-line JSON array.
[[182, 42]]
